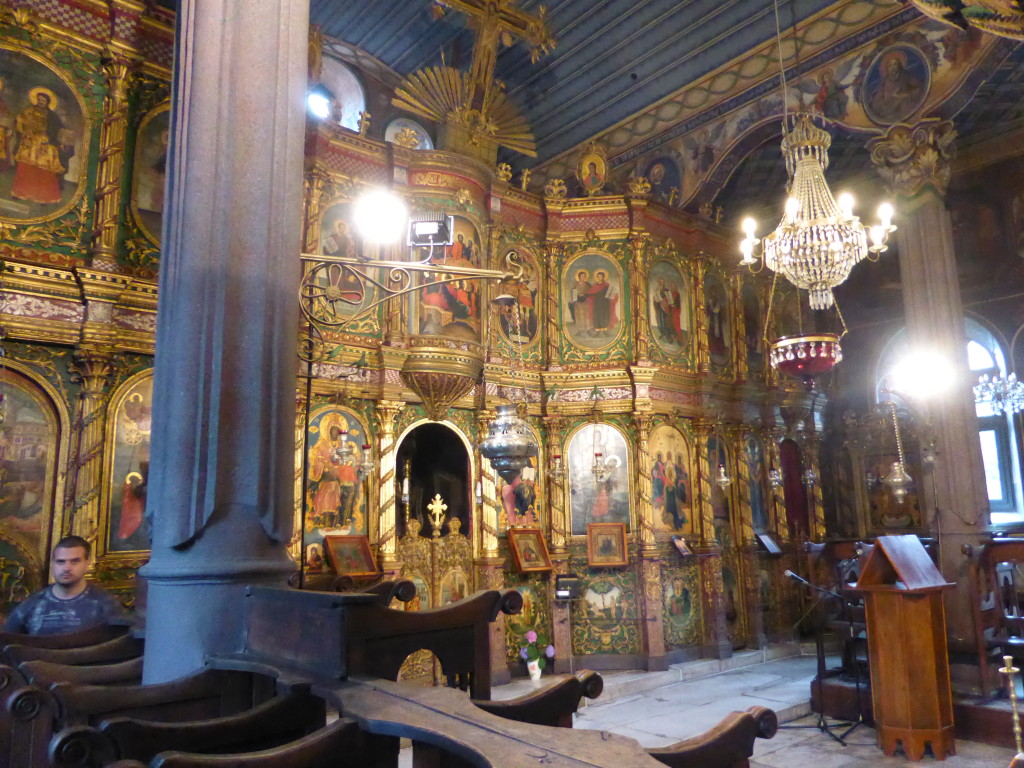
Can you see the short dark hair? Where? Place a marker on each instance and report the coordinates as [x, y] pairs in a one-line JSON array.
[[70, 542]]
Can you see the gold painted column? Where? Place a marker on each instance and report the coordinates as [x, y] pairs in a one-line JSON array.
[[553, 334], [387, 412], [645, 509], [489, 512], [700, 319], [652, 630], [716, 630], [118, 68], [810, 451], [638, 269], [554, 429], [915, 161], [91, 368]]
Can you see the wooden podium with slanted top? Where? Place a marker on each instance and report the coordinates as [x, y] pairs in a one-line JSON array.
[[909, 661]]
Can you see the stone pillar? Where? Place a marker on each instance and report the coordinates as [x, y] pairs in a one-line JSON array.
[[387, 411], [915, 162], [221, 479]]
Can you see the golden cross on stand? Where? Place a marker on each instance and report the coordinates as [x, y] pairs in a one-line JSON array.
[[437, 508]]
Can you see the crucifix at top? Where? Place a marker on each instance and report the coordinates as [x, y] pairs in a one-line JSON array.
[[498, 21], [471, 106], [437, 508]]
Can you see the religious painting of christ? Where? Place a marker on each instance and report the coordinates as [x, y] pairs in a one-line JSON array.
[[592, 302], [519, 324], [669, 307], [43, 135], [593, 500], [895, 84], [149, 171], [671, 488], [127, 530], [716, 313], [451, 308], [335, 497]]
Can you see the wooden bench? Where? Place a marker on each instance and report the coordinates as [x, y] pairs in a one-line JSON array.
[[339, 745], [553, 706], [117, 649], [276, 722], [999, 626], [728, 745], [30, 715]]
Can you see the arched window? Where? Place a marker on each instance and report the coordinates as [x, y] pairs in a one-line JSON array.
[[996, 431], [339, 92]]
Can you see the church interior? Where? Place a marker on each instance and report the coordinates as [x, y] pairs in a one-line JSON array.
[[303, 297]]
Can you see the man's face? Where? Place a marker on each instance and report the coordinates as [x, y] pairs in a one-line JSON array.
[[69, 565]]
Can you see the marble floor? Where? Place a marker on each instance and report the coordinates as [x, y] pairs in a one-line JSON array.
[[661, 708]]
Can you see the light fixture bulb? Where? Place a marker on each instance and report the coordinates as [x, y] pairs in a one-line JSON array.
[[885, 213], [380, 216], [877, 234], [792, 208], [749, 226], [845, 201]]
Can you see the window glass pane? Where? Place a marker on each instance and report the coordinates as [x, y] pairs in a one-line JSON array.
[[990, 456], [978, 357], [984, 409]]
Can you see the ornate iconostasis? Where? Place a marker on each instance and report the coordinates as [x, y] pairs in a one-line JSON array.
[[668, 475]]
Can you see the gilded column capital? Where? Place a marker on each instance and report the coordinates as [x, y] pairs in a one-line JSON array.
[[912, 158], [91, 366]]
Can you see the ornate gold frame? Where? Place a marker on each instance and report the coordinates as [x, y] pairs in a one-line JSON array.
[[634, 512]]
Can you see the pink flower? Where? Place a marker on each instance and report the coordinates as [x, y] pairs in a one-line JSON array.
[[531, 636]]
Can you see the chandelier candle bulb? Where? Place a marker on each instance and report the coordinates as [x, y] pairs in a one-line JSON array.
[[846, 204]]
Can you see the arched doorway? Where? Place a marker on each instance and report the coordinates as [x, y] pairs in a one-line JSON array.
[[435, 526]]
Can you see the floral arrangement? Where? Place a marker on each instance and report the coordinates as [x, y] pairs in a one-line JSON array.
[[532, 650]]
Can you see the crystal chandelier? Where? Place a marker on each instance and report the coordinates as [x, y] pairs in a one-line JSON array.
[[819, 239], [1005, 393]]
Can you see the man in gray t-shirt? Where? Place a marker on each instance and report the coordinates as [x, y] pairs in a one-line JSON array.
[[70, 603]]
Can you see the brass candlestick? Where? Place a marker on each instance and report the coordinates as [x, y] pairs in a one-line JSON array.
[[1011, 685]]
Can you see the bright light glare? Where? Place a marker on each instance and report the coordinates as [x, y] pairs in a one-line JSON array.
[[792, 208], [877, 234], [749, 226], [380, 216], [319, 105], [845, 202], [885, 213], [922, 375]]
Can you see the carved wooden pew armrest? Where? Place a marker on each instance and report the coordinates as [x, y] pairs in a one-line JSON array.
[[282, 719], [338, 745], [10, 678], [118, 649], [728, 745], [45, 673], [554, 705], [90, 636]]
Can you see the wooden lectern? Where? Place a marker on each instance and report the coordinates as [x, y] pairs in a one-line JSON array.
[[906, 625]]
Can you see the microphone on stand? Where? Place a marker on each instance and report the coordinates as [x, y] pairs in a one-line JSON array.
[[795, 577]]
